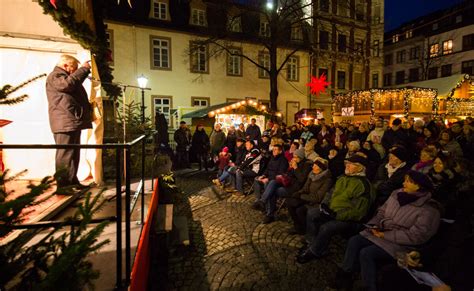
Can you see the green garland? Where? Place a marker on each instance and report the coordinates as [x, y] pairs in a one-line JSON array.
[[82, 33]]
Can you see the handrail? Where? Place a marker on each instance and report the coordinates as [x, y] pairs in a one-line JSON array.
[[120, 150]]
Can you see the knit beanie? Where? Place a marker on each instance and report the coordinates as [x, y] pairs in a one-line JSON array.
[[400, 153], [420, 179], [321, 163], [299, 153]]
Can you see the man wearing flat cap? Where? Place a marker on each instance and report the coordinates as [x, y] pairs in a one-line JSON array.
[[341, 212]]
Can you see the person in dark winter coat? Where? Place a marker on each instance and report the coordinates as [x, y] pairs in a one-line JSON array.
[[408, 219], [253, 131], [231, 139], [283, 186], [69, 113], [442, 177], [182, 137], [318, 183], [390, 175], [336, 162], [396, 135], [217, 140], [200, 146]]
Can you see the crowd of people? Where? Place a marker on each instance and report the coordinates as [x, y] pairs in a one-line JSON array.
[[401, 193]]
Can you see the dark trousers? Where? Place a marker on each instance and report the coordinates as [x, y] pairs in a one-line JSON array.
[[67, 160], [182, 158], [363, 251], [202, 160], [297, 210]]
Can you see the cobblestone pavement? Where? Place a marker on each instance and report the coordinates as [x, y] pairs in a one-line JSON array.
[[231, 250]]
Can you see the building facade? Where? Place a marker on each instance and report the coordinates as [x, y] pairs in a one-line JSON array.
[[434, 46], [348, 46], [185, 73]]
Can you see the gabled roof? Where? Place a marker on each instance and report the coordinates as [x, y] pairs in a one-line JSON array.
[[443, 85]]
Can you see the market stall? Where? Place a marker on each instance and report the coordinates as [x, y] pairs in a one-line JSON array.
[[228, 114], [307, 114]]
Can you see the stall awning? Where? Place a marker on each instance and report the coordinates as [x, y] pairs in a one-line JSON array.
[[443, 85], [201, 113]]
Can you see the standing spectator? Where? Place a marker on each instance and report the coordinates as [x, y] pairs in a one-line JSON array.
[[200, 146], [253, 131], [339, 136], [231, 139], [324, 133], [69, 113], [442, 177], [217, 140], [396, 135], [182, 137], [241, 131], [276, 131], [352, 147], [295, 133], [466, 141]]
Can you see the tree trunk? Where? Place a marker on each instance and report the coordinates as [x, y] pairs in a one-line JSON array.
[[273, 79]]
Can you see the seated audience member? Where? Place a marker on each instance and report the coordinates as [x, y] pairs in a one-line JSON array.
[[430, 135], [409, 218], [390, 176], [450, 144], [466, 141], [442, 177], [278, 165], [309, 152], [306, 135], [346, 206], [322, 149], [373, 157], [339, 136], [283, 186], [396, 135], [229, 171], [375, 136], [240, 132], [287, 135], [248, 169], [290, 152], [336, 162], [318, 183], [353, 146], [223, 160], [276, 131], [425, 164], [295, 133]]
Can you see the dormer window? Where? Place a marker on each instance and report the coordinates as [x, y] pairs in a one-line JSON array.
[[159, 10], [234, 23], [198, 17], [264, 29]]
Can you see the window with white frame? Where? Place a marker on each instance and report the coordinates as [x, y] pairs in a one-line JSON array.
[[409, 33], [234, 23], [434, 50], [264, 29], [199, 63], [162, 105], [234, 62], [160, 53], [447, 46], [200, 101], [292, 69], [160, 10], [395, 38], [264, 61], [376, 48], [198, 17], [296, 33]]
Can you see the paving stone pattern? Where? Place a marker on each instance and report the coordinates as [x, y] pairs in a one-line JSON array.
[[231, 250]]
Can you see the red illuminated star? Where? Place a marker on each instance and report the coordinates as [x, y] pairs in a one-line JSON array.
[[318, 85]]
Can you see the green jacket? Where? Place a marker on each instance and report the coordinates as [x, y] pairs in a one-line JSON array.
[[351, 198]]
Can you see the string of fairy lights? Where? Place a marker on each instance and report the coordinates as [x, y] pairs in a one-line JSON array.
[[260, 108], [408, 99]]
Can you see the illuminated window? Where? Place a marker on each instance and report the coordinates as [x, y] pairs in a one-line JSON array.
[[409, 33], [395, 38], [434, 50], [447, 46]]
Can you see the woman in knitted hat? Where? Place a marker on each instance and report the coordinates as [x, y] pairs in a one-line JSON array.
[[408, 219], [310, 195]]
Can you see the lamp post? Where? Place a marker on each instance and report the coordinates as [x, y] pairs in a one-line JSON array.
[[142, 82]]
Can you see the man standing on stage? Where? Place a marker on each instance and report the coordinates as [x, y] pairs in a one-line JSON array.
[[69, 113]]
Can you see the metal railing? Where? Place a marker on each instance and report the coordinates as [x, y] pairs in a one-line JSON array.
[[121, 150]]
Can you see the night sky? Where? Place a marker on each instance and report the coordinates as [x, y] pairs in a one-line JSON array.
[[398, 12]]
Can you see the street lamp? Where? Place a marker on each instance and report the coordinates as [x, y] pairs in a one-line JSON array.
[[142, 81], [269, 4]]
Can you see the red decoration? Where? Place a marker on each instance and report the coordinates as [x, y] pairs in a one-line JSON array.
[[318, 85], [53, 2]]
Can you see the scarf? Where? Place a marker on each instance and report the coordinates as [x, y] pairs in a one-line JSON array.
[[315, 177], [421, 165], [391, 170], [405, 198]]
